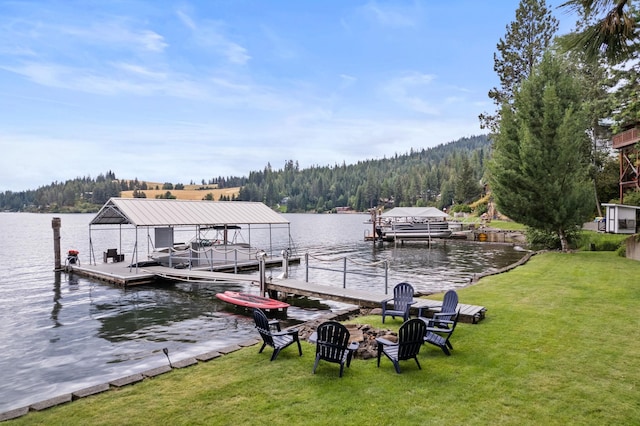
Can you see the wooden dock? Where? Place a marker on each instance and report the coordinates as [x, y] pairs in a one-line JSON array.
[[120, 273], [468, 313], [193, 275]]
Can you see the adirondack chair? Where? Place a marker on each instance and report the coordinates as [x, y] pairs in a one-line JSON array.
[[272, 336], [410, 339], [332, 345], [401, 301], [439, 332], [448, 309]]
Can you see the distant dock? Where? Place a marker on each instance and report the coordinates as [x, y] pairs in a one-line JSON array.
[[480, 234]]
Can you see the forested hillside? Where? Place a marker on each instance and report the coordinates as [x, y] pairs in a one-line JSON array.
[[435, 176], [86, 194]]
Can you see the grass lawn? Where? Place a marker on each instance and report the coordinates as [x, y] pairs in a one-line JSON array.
[[506, 225], [559, 346]]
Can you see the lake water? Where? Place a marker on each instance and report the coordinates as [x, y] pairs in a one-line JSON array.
[[62, 333]]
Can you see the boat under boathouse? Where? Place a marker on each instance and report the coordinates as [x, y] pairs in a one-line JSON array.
[[183, 235]]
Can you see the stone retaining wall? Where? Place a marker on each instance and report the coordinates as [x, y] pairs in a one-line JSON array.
[[149, 374], [633, 247]]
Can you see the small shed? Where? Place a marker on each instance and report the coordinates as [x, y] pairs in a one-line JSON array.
[[621, 219]]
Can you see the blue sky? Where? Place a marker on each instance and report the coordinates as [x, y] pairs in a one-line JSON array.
[[189, 90]]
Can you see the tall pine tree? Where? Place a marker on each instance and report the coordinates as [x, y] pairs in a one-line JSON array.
[[614, 32], [526, 40], [539, 170]]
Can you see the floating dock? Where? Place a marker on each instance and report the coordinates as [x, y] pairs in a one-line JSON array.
[[122, 274]]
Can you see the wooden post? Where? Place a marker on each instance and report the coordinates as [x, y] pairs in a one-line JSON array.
[[261, 255], [56, 225], [373, 224], [285, 263]]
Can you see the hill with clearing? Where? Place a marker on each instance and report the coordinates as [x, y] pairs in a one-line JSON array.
[[190, 192]]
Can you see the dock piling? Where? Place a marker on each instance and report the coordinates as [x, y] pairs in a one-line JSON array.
[[260, 256], [56, 225]]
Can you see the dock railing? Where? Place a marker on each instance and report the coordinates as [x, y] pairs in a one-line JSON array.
[[209, 257], [344, 260]]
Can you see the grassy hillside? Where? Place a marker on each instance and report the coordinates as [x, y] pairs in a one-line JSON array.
[[190, 192]]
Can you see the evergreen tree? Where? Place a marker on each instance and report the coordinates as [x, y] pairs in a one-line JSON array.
[[466, 187], [607, 184], [597, 96], [526, 40], [539, 170], [614, 30]]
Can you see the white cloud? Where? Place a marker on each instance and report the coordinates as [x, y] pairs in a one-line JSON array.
[[110, 34], [179, 151], [392, 15], [186, 20], [209, 33], [152, 41], [58, 76], [412, 91], [140, 71], [207, 91], [347, 80]]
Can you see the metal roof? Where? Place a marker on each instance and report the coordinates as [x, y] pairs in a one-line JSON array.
[[163, 212], [424, 212], [622, 206]]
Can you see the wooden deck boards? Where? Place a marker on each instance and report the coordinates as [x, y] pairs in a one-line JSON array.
[[198, 275], [121, 274], [468, 313]]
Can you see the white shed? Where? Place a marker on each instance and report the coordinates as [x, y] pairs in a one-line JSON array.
[[621, 219]]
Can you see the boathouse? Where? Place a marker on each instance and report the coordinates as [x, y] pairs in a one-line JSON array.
[[415, 223], [415, 213], [157, 221]]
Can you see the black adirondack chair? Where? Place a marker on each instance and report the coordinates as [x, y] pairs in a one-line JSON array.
[[272, 336], [447, 311], [332, 345], [410, 340], [439, 332], [401, 301]]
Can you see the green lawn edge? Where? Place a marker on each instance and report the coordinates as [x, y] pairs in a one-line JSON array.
[[558, 346]]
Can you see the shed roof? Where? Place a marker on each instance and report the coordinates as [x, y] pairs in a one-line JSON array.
[[424, 212], [621, 206], [163, 212]]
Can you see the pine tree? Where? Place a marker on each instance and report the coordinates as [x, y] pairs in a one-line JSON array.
[[466, 187], [526, 40], [597, 95], [613, 32], [539, 170]]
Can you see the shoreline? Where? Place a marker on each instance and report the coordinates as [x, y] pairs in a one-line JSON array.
[[187, 362], [151, 373]]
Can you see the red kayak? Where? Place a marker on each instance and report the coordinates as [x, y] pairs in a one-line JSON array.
[[251, 300]]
